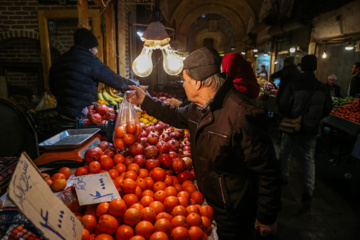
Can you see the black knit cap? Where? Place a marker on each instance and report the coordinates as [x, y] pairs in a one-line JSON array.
[[85, 38], [202, 63], [309, 63]]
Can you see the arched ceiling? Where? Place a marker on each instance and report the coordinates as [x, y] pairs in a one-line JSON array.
[[184, 16]]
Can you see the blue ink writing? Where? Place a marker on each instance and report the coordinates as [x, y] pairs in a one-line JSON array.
[[80, 184], [47, 226], [98, 195], [22, 186], [102, 183]]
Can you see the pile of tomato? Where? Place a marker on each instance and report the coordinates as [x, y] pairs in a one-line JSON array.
[[350, 111]]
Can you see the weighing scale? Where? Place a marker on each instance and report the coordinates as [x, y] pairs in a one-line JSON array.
[[67, 148]]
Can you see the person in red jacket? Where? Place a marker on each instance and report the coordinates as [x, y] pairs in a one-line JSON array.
[[235, 65]]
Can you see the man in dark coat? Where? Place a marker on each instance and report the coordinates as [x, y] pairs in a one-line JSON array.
[[234, 159], [75, 75], [331, 87], [354, 89], [288, 73], [305, 96]]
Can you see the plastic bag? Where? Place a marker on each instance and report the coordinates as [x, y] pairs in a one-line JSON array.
[[127, 126], [46, 102]]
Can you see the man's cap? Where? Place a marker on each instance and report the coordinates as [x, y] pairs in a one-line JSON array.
[[309, 63], [85, 38], [202, 63]]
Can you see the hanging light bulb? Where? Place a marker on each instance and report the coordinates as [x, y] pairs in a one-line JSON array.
[[172, 63], [142, 65], [349, 47], [292, 49], [324, 55]]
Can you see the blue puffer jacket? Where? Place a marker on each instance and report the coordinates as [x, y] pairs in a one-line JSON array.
[[295, 98], [74, 79]]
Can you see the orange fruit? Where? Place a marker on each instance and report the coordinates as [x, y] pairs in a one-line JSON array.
[[171, 191], [194, 219], [45, 176], [124, 232], [132, 216], [131, 127], [120, 131], [159, 186], [157, 206], [113, 173], [192, 209], [131, 174], [129, 185], [175, 179], [158, 174], [58, 184], [108, 224], [102, 208], [103, 236], [134, 167], [184, 194], [190, 188], [160, 195], [144, 228], [196, 233], [118, 158], [186, 182], [141, 183], [180, 220], [57, 176], [179, 210], [81, 171], [207, 211], [178, 187], [138, 206], [163, 225], [85, 234], [137, 237], [94, 167], [66, 171], [183, 201], [89, 222], [49, 181], [117, 207], [149, 182], [164, 215], [128, 139], [130, 199], [107, 163], [170, 202], [148, 192], [198, 197], [138, 192], [179, 233], [146, 200], [168, 180], [138, 130], [119, 143], [206, 224], [148, 214], [143, 173], [159, 236], [128, 160], [120, 167]]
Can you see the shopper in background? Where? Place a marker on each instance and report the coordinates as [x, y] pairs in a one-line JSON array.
[[354, 89], [242, 74], [331, 87], [264, 72], [234, 159], [298, 66], [292, 104], [75, 75], [287, 74]]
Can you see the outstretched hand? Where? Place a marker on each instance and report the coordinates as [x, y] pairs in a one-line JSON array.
[[135, 97], [265, 230]]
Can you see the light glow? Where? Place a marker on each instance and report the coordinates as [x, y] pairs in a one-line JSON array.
[[142, 65], [172, 63]]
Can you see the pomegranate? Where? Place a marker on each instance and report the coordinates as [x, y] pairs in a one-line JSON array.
[[173, 154], [90, 112], [136, 149], [103, 145], [174, 145], [162, 147], [91, 107], [110, 115], [143, 141], [152, 138], [165, 161], [178, 165], [92, 154], [164, 136], [158, 128], [184, 143], [140, 160], [95, 118], [151, 164], [185, 175], [101, 108], [188, 163], [186, 153], [151, 151], [110, 152]]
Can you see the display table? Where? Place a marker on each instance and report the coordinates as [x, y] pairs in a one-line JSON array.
[[342, 124]]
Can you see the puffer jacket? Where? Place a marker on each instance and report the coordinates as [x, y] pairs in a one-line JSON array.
[[294, 101], [74, 79], [234, 158]]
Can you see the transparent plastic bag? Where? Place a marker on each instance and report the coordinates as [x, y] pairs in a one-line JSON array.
[[127, 126]]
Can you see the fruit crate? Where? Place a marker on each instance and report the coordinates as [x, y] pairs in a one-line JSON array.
[[14, 225], [106, 130], [7, 167]]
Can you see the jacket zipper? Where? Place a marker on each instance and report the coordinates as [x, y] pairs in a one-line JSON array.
[[218, 134], [222, 193]]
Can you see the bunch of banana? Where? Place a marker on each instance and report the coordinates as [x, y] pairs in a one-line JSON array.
[[109, 96]]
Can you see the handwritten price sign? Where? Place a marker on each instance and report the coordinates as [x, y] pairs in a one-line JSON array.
[[33, 197], [95, 188]]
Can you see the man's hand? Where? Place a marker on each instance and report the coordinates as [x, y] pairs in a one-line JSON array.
[[144, 88], [173, 101], [265, 230], [135, 97]]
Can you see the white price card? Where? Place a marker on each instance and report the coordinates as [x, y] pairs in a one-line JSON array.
[[95, 188], [34, 198]]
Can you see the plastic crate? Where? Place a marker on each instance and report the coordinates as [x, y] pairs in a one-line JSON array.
[[8, 165], [14, 225], [106, 130]]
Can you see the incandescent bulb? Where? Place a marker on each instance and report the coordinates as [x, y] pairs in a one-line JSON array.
[[324, 55], [172, 63], [142, 65]]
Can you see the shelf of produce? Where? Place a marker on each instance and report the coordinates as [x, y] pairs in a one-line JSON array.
[[342, 124]]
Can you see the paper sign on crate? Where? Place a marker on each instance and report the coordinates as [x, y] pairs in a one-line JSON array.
[[95, 188], [34, 198]]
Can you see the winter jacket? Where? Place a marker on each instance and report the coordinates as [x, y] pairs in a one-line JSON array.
[[354, 90], [286, 75], [74, 79], [294, 100], [234, 158], [241, 73]]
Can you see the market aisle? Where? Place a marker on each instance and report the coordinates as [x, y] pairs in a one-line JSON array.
[[335, 210]]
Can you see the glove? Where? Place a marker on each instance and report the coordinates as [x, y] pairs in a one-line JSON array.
[[265, 230]]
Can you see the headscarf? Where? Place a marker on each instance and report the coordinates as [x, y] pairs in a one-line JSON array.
[[242, 74]]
